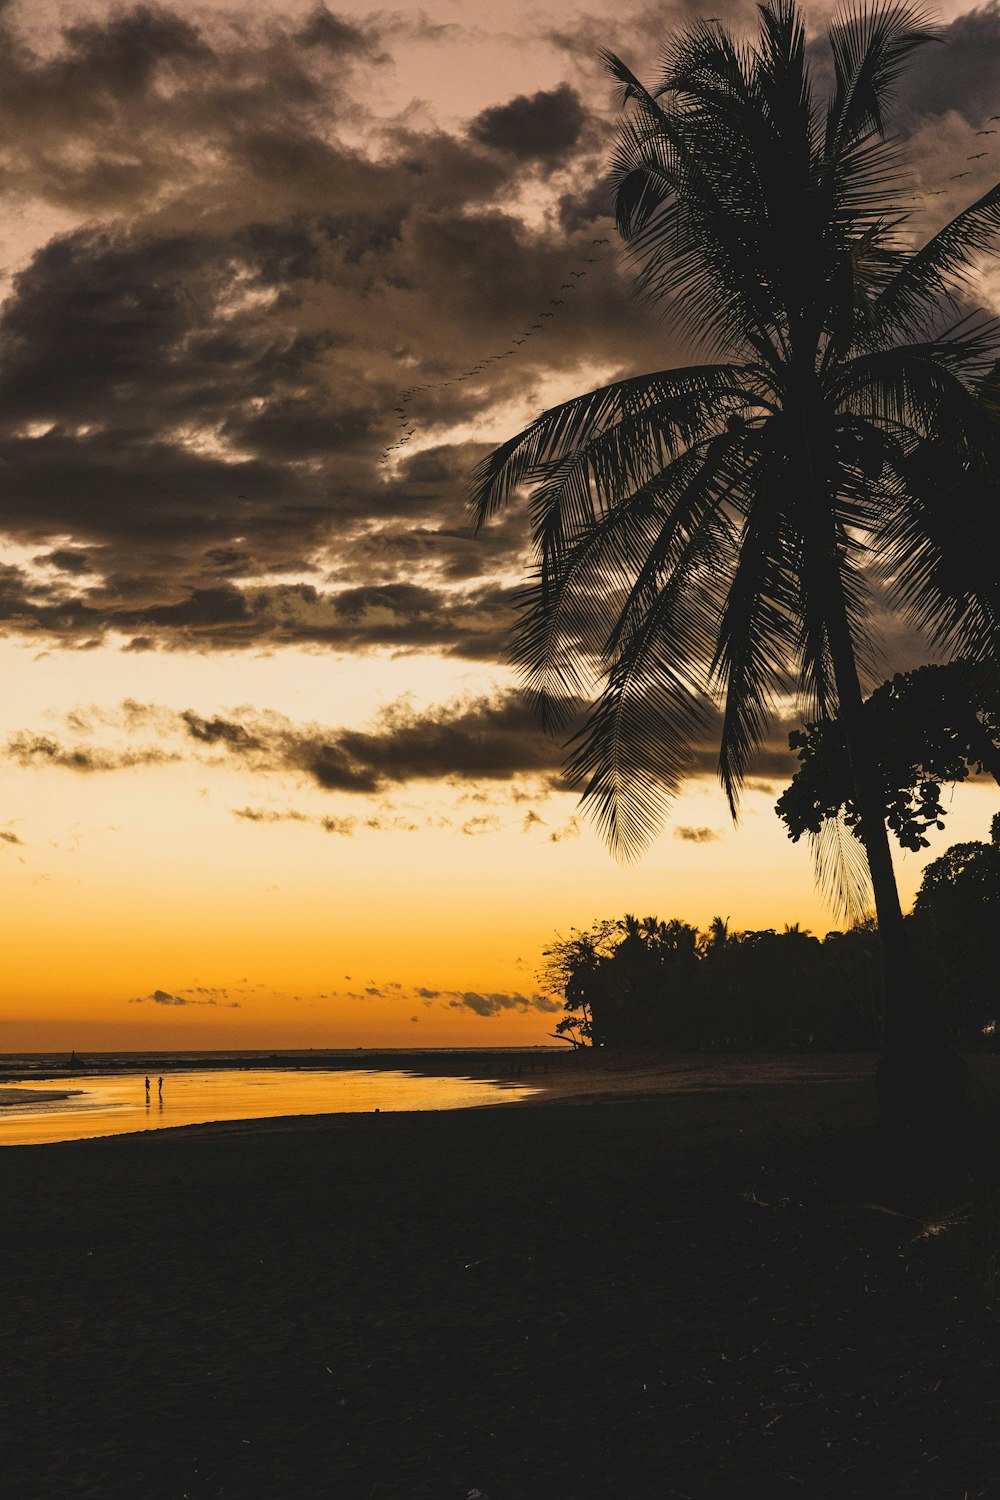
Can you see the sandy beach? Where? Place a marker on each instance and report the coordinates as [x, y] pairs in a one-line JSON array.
[[560, 1077], [664, 1294], [32, 1096], [597, 1077]]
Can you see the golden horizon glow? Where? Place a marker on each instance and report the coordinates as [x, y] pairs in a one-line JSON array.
[[127, 883]]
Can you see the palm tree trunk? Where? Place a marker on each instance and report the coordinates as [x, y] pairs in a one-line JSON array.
[[920, 1079]]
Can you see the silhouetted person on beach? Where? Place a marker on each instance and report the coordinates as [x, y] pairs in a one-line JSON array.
[[159, 1087], [147, 1090]]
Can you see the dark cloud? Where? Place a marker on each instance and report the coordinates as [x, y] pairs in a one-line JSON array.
[[35, 749], [473, 827], [957, 73], [199, 380], [487, 1004], [10, 838], [492, 1004], [67, 560], [197, 384], [546, 1003], [538, 127], [485, 739], [220, 731], [696, 835], [492, 738], [343, 826], [165, 997], [324, 29], [268, 815]]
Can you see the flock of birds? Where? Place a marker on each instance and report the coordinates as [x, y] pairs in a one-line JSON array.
[[977, 156], [405, 419]]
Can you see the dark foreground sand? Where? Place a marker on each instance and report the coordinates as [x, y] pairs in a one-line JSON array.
[[668, 1295]]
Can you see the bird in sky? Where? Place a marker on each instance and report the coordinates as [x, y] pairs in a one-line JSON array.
[[976, 157], [939, 192], [558, 302], [956, 175], [578, 274], [602, 242], [986, 132]]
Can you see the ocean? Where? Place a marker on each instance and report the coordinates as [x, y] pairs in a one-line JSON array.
[[46, 1098]]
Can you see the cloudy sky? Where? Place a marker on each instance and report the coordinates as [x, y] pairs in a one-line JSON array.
[[265, 778]]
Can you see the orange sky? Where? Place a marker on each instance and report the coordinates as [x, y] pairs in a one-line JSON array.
[[125, 883]]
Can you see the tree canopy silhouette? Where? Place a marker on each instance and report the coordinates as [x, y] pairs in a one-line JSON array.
[[648, 984], [933, 726], [706, 536], [956, 917]]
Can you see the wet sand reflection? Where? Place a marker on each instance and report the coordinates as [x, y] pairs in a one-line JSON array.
[[119, 1104]]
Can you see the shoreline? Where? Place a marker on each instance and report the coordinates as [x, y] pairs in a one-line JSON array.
[[9, 1097], [570, 1080], [492, 1062], [566, 1080]]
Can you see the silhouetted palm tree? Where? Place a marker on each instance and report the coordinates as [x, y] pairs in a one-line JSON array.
[[706, 537]]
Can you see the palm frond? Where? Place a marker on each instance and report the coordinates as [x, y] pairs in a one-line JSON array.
[[710, 534], [577, 609], [568, 427], [924, 288], [754, 656], [940, 548], [926, 388], [630, 85], [637, 742], [841, 866], [871, 46]]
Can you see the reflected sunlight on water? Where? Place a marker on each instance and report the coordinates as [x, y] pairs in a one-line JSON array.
[[118, 1105]]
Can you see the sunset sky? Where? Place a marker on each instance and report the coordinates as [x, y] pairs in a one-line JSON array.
[[265, 777]]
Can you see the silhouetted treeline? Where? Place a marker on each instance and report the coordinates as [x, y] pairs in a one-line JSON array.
[[652, 984], [633, 983]]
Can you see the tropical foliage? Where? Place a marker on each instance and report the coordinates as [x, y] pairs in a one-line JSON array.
[[933, 727], [956, 925], [706, 537], [708, 533], [648, 984], [651, 985]]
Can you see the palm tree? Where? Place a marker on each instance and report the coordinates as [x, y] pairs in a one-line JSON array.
[[707, 539]]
